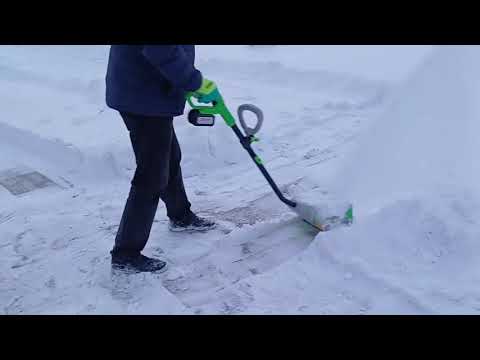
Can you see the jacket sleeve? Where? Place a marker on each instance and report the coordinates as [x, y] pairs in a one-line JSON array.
[[172, 62]]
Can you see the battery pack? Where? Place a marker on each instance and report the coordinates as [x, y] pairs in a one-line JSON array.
[[197, 119]]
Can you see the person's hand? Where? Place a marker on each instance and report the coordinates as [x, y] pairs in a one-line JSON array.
[[207, 93]]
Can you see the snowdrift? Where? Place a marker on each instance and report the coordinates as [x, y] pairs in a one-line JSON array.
[[426, 140], [416, 256], [414, 180]]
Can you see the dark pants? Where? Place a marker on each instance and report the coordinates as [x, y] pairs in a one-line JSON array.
[[158, 176]]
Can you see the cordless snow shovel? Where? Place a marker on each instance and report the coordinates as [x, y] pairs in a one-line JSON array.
[[320, 217]]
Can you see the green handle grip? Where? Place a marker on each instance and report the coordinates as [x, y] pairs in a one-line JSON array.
[[218, 108]]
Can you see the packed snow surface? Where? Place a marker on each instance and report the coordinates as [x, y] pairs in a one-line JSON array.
[[391, 129]]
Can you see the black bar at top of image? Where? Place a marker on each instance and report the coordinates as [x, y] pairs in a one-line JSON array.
[[242, 23]]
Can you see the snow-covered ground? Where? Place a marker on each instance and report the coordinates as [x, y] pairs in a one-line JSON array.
[[390, 128]]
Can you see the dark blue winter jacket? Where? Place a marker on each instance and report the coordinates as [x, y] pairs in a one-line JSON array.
[[151, 80]]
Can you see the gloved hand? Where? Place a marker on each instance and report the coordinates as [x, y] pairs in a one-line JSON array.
[[207, 93]]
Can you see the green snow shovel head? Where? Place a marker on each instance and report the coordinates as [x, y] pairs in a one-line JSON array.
[[321, 217]]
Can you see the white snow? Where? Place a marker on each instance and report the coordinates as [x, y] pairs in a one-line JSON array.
[[390, 128], [427, 139]]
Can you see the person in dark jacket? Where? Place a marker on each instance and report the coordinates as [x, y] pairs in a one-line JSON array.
[[147, 85]]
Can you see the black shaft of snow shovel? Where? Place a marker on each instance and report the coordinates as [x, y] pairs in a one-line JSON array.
[[245, 141]]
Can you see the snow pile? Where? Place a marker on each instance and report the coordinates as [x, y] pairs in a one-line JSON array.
[[414, 257], [415, 181], [427, 140]]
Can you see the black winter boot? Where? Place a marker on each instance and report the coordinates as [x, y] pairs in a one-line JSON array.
[[191, 223], [136, 263]]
